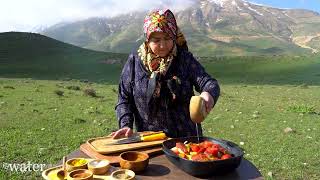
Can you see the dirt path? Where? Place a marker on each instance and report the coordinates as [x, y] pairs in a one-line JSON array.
[[303, 40]]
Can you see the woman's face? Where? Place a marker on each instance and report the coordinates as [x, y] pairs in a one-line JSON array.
[[160, 43]]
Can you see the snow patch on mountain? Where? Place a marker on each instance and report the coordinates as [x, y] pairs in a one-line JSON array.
[[254, 10], [220, 3], [234, 3], [219, 19]]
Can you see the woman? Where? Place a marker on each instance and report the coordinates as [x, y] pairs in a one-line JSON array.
[[157, 82]]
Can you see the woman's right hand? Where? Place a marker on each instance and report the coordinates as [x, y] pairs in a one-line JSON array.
[[121, 133]]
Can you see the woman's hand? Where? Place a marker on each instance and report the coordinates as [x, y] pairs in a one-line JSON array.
[[208, 99], [123, 132]]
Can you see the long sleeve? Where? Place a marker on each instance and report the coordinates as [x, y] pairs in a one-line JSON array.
[[124, 106], [202, 80]]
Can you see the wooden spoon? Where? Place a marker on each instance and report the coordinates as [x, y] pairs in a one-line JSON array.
[[62, 173]]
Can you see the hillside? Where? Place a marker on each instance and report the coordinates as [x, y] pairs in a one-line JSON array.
[[37, 56], [27, 55], [212, 28]]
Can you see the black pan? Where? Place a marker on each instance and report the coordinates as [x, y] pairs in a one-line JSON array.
[[201, 169]]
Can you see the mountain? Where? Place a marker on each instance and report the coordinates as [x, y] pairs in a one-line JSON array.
[[212, 28], [39, 57]]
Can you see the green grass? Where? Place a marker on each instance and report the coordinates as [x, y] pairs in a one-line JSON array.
[[265, 70], [39, 126], [257, 116], [39, 57], [270, 46], [260, 97], [204, 46]]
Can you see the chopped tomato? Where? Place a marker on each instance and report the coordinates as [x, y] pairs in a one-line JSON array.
[[207, 144], [217, 146], [195, 147], [213, 151], [182, 146], [226, 156], [202, 149]]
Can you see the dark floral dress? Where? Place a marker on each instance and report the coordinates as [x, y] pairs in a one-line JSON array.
[[170, 111]]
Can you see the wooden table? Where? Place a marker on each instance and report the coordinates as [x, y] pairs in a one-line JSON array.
[[161, 168]]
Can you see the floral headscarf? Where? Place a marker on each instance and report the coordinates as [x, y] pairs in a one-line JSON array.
[[159, 21]]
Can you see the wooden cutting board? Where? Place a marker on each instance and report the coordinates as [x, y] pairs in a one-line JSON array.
[[114, 157], [101, 145]]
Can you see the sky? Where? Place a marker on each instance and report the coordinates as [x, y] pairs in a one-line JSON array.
[[17, 15], [295, 4]]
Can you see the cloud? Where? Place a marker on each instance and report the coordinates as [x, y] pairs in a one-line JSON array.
[[18, 15]]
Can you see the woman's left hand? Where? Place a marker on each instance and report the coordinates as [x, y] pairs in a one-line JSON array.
[[209, 101]]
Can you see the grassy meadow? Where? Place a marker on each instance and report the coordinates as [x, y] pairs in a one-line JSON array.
[[46, 113]]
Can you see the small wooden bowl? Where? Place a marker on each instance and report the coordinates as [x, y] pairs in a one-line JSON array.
[[134, 160], [71, 164], [99, 166], [80, 174], [56, 174], [123, 174]]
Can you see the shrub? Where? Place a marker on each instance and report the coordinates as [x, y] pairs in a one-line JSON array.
[[90, 92], [304, 86], [79, 120], [84, 81], [8, 87], [76, 88], [59, 92]]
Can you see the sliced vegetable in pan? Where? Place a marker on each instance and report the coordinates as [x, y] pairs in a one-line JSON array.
[[204, 151]]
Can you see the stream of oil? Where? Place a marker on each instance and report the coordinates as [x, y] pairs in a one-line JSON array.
[[197, 133]]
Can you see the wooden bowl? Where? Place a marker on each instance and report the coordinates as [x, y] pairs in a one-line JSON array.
[[134, 160], [56, 174], [99, 166], [76, 163], [123, 174], [80, 174]]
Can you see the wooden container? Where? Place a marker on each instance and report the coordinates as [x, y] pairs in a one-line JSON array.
[[80, 174], [51, 173], [134, 160], [123, 174], [99, 166], [76, 163]]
